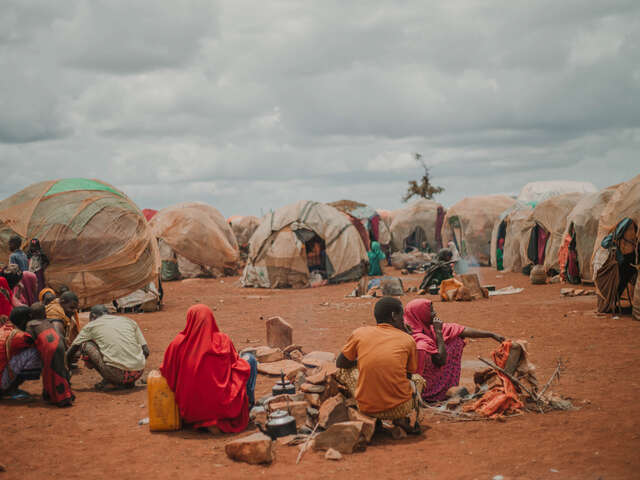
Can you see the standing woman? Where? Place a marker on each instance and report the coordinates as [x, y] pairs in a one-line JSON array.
[[212, 384], [439, 347], [375, 257]]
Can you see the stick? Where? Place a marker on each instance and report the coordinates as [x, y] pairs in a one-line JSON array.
[[510, 377], [555, 372], [304, 447]]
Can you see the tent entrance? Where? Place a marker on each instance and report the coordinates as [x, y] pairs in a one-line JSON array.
[[538, 244], [572, 267], [458, 238], [316, 252], [502, 237], [417, 240]]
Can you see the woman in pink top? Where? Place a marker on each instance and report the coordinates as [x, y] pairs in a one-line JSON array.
[[439, 347]]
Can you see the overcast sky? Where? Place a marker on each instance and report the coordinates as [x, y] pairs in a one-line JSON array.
[[252, 105]]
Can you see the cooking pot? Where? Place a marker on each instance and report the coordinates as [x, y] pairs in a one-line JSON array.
[[280, 424], [283, 386]]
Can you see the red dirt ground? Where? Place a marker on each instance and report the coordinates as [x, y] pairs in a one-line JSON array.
[[100, 437]]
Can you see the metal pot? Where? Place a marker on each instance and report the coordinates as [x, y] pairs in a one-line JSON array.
[[283, 386], [280, 424]]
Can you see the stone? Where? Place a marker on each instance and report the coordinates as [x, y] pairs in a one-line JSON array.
[[313, 399], [300, 379], [311, 388], [345, 437], [398, 433], [317, 378], [368, 423], [288, 366], [333, 455], [251, 350], [279, 333], [313, 412], [317, 359], [284, 397], [333, 410], [472, 282], [458, 391], [254, 449], [298, 410], [258, 415], [268, 354], [296, 355], [291, 348]]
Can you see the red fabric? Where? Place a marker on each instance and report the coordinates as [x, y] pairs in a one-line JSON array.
[[206, 374], [55, 376], [149, 213], [19, 342], [375, 227], [543, 236], [26, 290], [439, 222], [417, 315], [6, 298]]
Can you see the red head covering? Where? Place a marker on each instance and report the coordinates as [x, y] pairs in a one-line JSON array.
[[418, 317], [206, 374], [26, 290], [6, 298]]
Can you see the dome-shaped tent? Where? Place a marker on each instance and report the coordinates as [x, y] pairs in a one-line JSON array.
[[96, 238], [243, 228], [544, 235], [300, 238], [579, 236], [614, 265], [508, 232], [536, 192], [469, 223], [373, 227], [418, 225], [195, 240]]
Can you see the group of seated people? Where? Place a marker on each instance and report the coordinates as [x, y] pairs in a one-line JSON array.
[[408, 356]]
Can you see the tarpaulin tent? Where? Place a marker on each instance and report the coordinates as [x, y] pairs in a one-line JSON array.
[[545, 235], [579, 236], [243, 228], [149, 213], [194, 240], [511, 226], [416, 225], [96, 238], [615, 263], [280, 249], [536, 192], [469, 224], [373, 227]]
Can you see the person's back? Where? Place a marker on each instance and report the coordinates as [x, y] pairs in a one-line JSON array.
[[119, 339], [18, 257]]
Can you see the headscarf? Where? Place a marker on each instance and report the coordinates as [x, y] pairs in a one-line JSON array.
[[206, 374], [71, 325], [419, 315], [26, 290], [375, 257], [43, 292], [13, 274], [6, 298]]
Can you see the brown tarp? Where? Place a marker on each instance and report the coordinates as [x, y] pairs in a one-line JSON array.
[[243, 228], [475, 217], [199, 233], [422, 213], [97, 240], [277, 257], [624, 203]]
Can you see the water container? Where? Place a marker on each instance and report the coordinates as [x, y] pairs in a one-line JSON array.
[[163, 409]]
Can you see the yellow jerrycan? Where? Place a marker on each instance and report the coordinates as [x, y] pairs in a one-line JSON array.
[[163, 409]]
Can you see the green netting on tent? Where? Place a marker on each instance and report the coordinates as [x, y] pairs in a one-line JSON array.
[[74, 184]]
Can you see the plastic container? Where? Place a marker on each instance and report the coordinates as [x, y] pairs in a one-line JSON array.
[[164, 415]]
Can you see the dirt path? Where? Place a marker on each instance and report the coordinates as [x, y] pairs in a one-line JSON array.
[[100, 437]]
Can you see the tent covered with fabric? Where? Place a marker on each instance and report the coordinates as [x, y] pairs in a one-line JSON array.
[[508, 236], [469, 224], [374, 228], [536, 192], [616, 253], [194, 240], [97, 240], [303, 244], [418, 225], [579, 236], [243, 228], [545, 233]]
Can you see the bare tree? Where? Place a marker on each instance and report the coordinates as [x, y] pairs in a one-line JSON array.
[[424, 189]]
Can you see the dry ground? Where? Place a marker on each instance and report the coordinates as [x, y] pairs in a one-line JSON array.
[[100, 437]]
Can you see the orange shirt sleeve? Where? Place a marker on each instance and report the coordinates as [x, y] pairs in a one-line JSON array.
[[350, 350], [412, 360]]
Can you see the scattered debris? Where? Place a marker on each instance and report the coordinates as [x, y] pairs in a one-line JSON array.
[[510, 290], [576, 292], [143, 421], [333, 455]]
